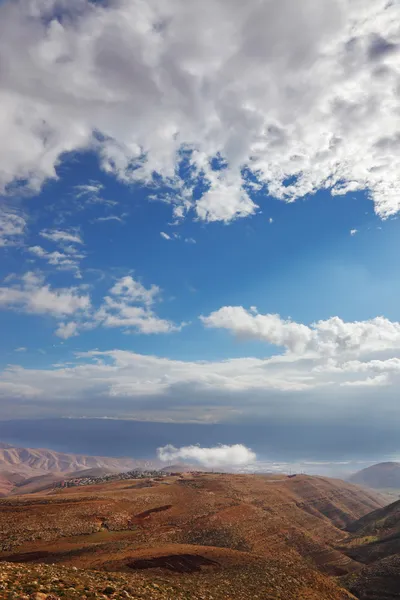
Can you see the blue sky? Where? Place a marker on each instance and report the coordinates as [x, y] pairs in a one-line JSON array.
[[199, 213], [305, 265]]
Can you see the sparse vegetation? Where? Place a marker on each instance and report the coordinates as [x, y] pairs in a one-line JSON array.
[[202, 536]]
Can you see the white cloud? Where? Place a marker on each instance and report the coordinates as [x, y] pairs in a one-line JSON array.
[[91, 193], [236, 455], [21, 349], [176, 236], [304, 94], [66, 261], [370, 381], [32, 295], [68, 257], [132, 290], [332, 337], [12, 227], [110, 218], [353, 231], [67, 330], [137, 319], [59, 236], [128, 306], [224, 202], [130, 385], [91, 190]]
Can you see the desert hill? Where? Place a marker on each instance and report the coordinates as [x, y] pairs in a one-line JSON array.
[[30, 462], [198, 529], [8, 482], [375, 542], [26, 470], [380, 476]]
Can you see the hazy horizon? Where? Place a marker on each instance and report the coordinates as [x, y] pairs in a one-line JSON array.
[[140, 440]]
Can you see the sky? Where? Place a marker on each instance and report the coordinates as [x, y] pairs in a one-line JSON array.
[[199, 224]]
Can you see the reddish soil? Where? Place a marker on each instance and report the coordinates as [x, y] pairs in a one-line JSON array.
[[207, 526]]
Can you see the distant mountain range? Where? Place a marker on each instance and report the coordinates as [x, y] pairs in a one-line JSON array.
[[31, 468], [381, 476], [27, 470]]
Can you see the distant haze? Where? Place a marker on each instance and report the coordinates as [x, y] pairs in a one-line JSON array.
[[278, 447]]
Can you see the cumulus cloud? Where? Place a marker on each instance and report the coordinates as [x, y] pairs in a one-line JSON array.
[[67, 330], [165, 235], [128, 306], [301, 95], [353, 232], [236, 455], [131, 289], [12, 227], [332, 337], [32, 295]]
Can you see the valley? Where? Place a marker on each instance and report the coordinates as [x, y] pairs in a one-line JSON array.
[[258, 536]]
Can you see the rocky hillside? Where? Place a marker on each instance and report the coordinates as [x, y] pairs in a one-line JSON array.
[[115, 525], [374, 541], [380, 476]]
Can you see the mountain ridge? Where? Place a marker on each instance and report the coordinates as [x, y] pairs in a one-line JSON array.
[[18, 464], [385, 475]]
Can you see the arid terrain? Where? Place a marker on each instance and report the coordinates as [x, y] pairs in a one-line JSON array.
[[207, 536], [374, 542], [38, 467]]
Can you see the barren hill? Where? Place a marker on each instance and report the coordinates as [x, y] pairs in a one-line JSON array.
[[27, 463], [203, 528], [375, 542], [380, 476]]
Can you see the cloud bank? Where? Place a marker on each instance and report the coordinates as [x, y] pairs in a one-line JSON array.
[[293, 96], [236, 455], [332, 337]]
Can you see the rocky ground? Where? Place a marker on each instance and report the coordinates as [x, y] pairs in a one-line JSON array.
[[275, 582]]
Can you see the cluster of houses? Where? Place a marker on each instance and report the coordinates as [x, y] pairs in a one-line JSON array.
[[91, 480]]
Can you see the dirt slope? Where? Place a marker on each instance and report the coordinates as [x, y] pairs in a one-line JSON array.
[[374, 541]]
